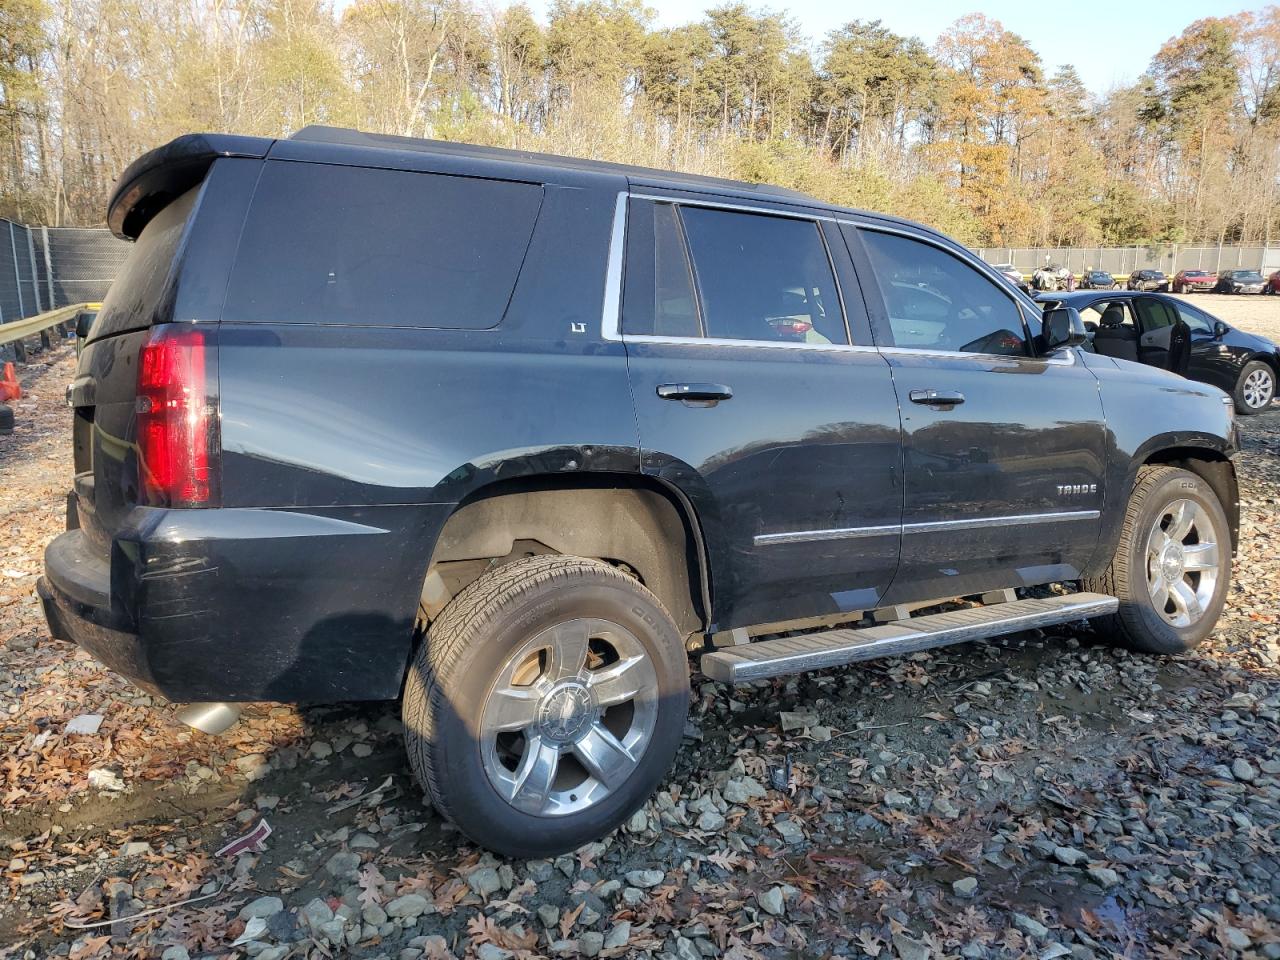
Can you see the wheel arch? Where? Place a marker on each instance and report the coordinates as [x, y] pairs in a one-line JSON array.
[[632, 521], [1215, 468]]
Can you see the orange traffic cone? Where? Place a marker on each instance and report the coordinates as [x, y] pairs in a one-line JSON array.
[[10, 389]]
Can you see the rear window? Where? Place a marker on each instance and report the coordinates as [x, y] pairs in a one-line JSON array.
[[354, 245], [141, 294]]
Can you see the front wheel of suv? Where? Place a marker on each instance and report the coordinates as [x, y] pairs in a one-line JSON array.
[[1172, 566], [545, 704], [1256, 388]]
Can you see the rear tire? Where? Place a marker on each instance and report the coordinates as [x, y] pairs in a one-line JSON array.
[[1172, 567], [1255, 389], [546, 704]]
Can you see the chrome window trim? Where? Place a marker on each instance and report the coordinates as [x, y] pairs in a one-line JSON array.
[[611, 312], [933, 526]]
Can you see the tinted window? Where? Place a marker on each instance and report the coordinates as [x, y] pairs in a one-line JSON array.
[[763, 278], [658, 298], [1154, 314], [938, 302], [1193, 318], [352, 245], [137, 295]]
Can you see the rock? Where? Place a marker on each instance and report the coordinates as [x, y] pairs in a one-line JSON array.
[[315, 913], [373, 913], [343, 865], [789, 830], [277, 952], [772, 901], [1032, 928], [107, 781], [896, 800], [710, 821], [175, 952], [965, 887], [590, 943], [1054, 951], [638, 823], [1243, 770], [136, 848], [645, 879], [263, 907], [619, 935], [491, 951], [797, 719], [1237, 939], [942, 807], [319, 750], [1069, 856], [408, 907], [909, 948], [742, 790], [86, 723], [1103, 876], [549, 914], [632, 896], [334, 930], [484, 881], [686, 949]]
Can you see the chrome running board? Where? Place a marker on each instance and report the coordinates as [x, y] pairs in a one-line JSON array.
[[834, 648]]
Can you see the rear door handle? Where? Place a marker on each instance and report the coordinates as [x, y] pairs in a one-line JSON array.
[[709, 393], [937, 398]]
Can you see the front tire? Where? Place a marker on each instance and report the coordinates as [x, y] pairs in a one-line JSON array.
[[1172, 567], [1255, 389], [546, 704]]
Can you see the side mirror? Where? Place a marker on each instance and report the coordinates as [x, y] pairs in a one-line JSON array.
[[1063, 328], [84, 321], [1220, 329]]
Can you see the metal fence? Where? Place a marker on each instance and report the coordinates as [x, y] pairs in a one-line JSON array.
[[42, 268], [1124, 260]]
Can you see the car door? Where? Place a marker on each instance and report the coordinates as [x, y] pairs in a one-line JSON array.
[[753, 401], [1004, 451], [1212, 359], [1162, 336]]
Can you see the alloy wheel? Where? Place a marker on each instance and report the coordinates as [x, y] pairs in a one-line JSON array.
[[1258, 389], [570, 715], [1182, 562]]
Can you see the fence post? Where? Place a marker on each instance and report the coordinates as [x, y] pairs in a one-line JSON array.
[[48, 265], [17, 280], [35, 277]]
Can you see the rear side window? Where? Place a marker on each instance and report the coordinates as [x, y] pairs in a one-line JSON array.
[[763, 278], [936, 301], [139, 296], [354, 245], [659, 298]]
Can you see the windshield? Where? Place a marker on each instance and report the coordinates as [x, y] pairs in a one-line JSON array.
[[1253, 275]]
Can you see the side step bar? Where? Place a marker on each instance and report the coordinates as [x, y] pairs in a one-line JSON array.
[[834, 648]]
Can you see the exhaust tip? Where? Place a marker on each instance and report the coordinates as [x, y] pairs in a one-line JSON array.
[[210, 718]]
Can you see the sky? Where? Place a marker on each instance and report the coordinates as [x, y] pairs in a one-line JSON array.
[[1110, 42]]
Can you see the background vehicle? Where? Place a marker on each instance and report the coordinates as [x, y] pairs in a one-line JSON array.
[[1097, 280], [1013, 275], [1163, 331], [1188, 281], [1147, 280], [1239, 281], [593, 418]]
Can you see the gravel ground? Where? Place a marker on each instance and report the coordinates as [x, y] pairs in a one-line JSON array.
[[1041, 796]]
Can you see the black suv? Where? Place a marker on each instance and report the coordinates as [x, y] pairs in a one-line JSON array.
[[1147, 280], [509, 436]]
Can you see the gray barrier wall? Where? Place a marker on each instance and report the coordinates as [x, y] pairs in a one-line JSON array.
[[1124, 260], [46, 267]]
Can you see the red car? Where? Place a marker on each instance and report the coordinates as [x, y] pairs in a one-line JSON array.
[[1186, 281], [1273, 283]]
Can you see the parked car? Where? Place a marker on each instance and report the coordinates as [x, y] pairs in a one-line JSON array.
[[1239, 281], [1097, 280], [1189, 281], [1013, 275], [1147, 280], [509, 437], [1163, 331], [1273, 283]]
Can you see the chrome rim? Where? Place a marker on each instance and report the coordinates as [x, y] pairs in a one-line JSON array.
[[1258, 388], [1182, 562], [569, 717]]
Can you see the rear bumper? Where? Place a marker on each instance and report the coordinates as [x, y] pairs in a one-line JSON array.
[[242, 604]]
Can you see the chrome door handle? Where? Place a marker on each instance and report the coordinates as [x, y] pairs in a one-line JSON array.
[[937, 398]]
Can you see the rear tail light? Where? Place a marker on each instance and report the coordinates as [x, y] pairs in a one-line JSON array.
[[177, 418]]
